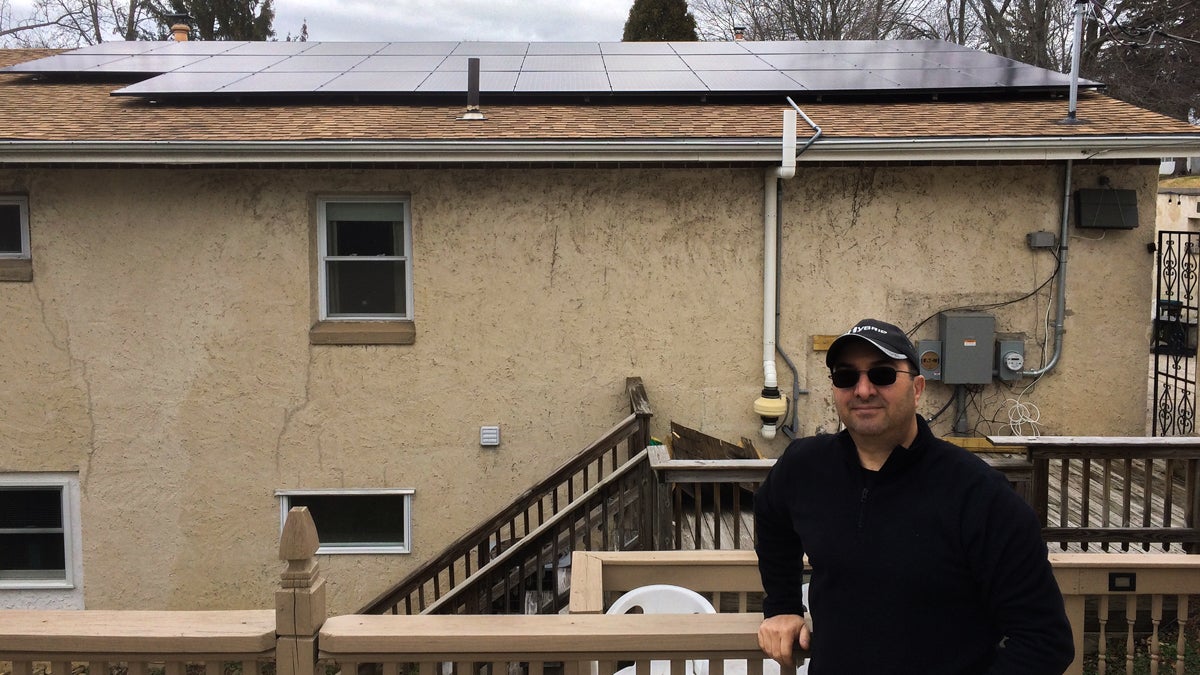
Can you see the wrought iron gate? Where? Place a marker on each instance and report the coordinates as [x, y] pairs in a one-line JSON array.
[[1176, 313]]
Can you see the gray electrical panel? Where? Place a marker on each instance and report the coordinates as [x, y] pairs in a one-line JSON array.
[[968, 347]]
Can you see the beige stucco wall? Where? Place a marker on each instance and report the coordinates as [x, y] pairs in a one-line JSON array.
[[162, 350]]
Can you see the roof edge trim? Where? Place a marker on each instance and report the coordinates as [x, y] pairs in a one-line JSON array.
[[765, 151]]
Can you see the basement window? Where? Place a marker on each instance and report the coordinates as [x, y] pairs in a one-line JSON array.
[[356, 521], [15, 261], [364, 271], [35, 532]]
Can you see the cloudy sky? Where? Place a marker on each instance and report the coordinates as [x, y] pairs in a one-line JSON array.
[[524, 20]]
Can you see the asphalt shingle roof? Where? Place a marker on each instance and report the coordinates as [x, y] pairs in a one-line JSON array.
[[59, 110]]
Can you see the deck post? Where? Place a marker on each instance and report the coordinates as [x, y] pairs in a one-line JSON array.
[[300, 600]]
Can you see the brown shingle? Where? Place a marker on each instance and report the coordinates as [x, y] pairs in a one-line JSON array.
[[84, 111]]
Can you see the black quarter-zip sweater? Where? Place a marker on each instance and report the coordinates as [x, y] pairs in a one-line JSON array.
[[925, 566]]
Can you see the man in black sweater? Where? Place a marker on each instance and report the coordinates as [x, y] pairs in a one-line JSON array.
[[924, 560]]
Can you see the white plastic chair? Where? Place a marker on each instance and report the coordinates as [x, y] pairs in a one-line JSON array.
[[662, 599]]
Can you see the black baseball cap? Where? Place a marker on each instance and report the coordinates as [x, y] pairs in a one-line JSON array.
[[879, 334]]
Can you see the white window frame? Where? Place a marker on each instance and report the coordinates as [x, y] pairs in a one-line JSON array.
[[66, 484], [23, 205], [323, 256], [341, 549]]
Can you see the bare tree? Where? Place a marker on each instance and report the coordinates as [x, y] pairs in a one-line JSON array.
[[72, 23], [813, 19]]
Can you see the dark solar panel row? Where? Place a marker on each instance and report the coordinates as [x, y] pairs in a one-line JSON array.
[[291, 68]]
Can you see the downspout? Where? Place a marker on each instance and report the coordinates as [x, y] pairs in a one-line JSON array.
[[772, 405], [1060, 286]]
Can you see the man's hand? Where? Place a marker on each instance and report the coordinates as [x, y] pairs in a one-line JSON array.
[[778, 634]]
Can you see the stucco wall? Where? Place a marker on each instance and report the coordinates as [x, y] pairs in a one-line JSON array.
[[162, 348]]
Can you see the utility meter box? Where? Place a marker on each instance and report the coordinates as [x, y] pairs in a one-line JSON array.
[[968, 347], [1010, 356], [929, 353]]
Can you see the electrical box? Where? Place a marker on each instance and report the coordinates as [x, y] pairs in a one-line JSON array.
[[968, 347], [1106, 208], [929, 354], [1010, 356]]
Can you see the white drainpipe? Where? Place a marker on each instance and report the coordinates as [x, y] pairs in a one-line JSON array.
[[771, 405]]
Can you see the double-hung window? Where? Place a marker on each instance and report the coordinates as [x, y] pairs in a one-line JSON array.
[[35, 533], [364, 270], [15, 263]]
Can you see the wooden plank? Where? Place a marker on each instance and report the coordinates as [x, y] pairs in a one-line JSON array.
[[1098, 441], [137, 632], [468, 637], [820, 343]]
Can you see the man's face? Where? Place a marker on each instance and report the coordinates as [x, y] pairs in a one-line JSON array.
[[877, 411]]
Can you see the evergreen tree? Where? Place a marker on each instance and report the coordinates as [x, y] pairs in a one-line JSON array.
[[660, 20], [219, 19]]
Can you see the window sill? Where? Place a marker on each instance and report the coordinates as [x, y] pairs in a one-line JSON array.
[[363, 333], [16, 269]]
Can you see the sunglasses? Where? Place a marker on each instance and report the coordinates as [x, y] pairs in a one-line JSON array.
[[880, 376]]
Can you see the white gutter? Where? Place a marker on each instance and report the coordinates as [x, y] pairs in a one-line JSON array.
[[764, 150]]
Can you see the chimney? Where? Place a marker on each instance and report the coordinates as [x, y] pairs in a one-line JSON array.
[[739, 33], [181, 26], [472, 112]]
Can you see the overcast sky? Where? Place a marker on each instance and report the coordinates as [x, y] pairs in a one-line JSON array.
[[523, 20], [395, 20]]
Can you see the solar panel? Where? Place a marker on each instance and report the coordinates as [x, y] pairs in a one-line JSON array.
[[279, 83], [456, 82], [655, 81], [345, 48], [289, 48], [183, 84], [562, 82], [410, 62], [417, 48], [150, 64], [304, 63], [834, 80], [563, 48], [607, 48], [643, 62], [491, 49], [194, 47], [742, 68], [726, 62], [227, 63], [375, 82], [564, 63], [500, 62], [754, 80]]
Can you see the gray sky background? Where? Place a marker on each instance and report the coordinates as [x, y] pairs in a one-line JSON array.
[[523, 20], [395, 20]]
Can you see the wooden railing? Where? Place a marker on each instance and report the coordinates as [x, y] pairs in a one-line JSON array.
[[1141, 493], [535, 645], [1124, 608], [534, 577], [710, 502], [530, 511], [181, 643], [1112, 492]]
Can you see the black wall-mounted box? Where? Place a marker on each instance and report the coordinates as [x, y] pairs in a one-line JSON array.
[[1106, 208]]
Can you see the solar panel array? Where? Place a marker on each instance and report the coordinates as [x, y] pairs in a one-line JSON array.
[[547, 68]]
